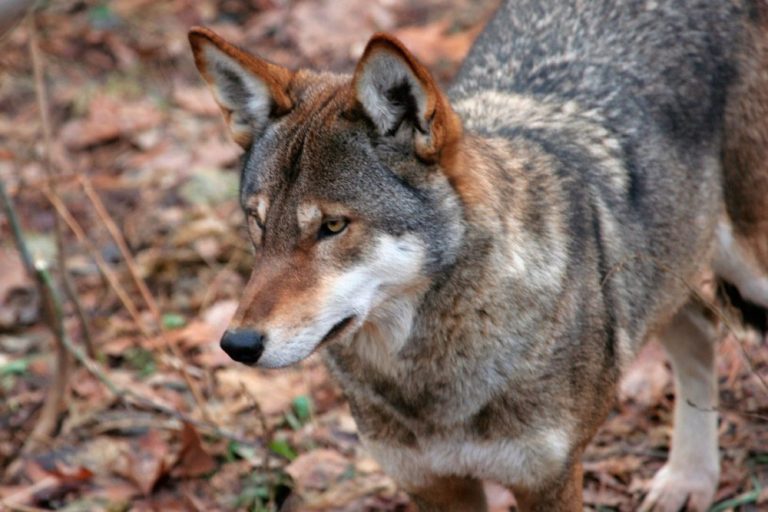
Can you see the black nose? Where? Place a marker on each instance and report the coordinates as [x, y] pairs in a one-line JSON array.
[[244, 345]]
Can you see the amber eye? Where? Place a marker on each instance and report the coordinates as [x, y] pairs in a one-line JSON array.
[[332, 227]]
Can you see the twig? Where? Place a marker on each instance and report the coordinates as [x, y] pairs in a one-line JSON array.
[[58, 389], [56, 396], [12, 13], [268, 435], [106, 271], [129, 395], [45, 120], [149, 300], [15, 501], [43, 277], [104, 268]]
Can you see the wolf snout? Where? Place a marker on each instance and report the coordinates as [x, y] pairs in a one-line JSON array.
[[243, 345]]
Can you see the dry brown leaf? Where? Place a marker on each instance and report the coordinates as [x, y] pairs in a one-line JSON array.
[[192, 460], [69, 474], [433, 43], [146, 462], [347, 492], [215, 321], [196, 99], [604, 496], [217, 152], [617, 466], [114, 490], [273, 390], [317, 470], [108, 119], [346, 26]]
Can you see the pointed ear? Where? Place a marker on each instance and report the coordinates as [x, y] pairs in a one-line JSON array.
[[393, 87], [250, 91]]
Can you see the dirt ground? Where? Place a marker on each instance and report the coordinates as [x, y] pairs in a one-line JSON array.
[[139, 177]]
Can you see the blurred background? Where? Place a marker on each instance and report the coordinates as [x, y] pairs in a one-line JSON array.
[[114, 395]]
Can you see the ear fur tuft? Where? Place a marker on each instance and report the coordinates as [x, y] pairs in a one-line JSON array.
[[393, 87], [249, 90]]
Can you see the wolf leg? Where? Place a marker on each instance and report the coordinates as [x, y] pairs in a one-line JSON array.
[[449, 494], [689, 478], [563, 496]]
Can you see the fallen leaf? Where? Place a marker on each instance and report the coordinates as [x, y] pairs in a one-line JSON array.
[[345, 28], [317, 470], [147, 461], [604, 496], [217, 152], [763, 498], [433, 43], [273, 392], [193, 460], [210, 185], [108, 119], [196, 99]]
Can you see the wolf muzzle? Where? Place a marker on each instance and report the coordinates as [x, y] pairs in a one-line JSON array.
[[244, 346]]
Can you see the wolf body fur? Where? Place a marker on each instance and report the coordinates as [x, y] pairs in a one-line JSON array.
[[509, 246]]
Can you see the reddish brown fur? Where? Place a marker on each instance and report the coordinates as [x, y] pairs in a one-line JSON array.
[[568, 498], [745, 156], [279, 288], [475, 187]]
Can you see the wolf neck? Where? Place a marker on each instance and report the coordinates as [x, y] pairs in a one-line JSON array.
[[509, 269]]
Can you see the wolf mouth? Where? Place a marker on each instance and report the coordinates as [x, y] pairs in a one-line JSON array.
[[336, 329]]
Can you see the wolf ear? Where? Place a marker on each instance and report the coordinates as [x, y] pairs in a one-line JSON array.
[[393, 87], [250, 91]]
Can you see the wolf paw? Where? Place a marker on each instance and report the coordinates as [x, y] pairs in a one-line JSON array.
[[674, 489]]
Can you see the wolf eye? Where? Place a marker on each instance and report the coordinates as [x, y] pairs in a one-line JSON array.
[[332, 227]]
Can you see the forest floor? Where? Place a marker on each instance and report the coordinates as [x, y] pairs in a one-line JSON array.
[[139, 161]]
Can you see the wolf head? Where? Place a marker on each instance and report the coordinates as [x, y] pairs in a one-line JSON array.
[[346, 190]]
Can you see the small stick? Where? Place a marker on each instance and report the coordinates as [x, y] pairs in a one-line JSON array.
[[45, 120], [268, 435], [12, 13], [104, 267], [127, 394], [56, 396], [16, 501], [43, 277], [58, 388], [149, 300]]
